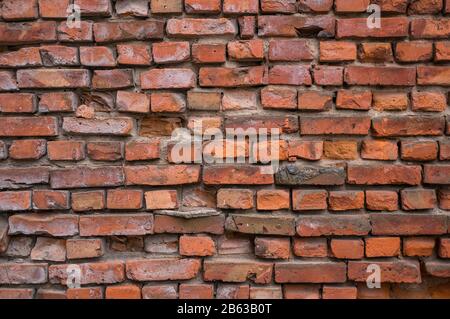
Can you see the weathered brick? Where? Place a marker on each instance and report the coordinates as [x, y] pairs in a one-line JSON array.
[[232, 270], [190, 27], [384, 174], [123, 31], [162, 269], [391, 271], [107, 272], [310, 272], [407, 224], [55, 225], [339, 225], [28, 126], [380, 75], [334, 125], [25, 273], [15, 200], [322, 26], [26, 33], [254, 224], [116, 224]]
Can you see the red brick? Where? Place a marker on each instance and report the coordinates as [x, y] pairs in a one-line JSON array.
[[85, 293], [418, 246], [55, 225], [408, 126], [58, 102], [310, 272], [13, 10], [50, 200], [330, 292], [121, 126], [444, 248], [240, 175], [233, 291], [16, 293], [97, 56], [256, 224], [87, 201], [339, 125], [189, 27], [15, 177], [162, 269], [168, 79], [436, 174], [123, 292], [272, 199], [197, 246], [347, 248], [235, 198], [25, 57], [28, 126], [390, 101], [27, 149], [240, 6], [309, 199], [375, 52], [430, 28], [161, 199], [251, 50], [17, 103], [433, 75], [391, 271], [104, 151], [381, 200], [408, 224], [116, 224], [25, 273], [272, 248], [354, 100], [162, 175], [53, 78], [328, 75], [232, 270], [379, 150], [168, 291], [175, 225], [58, 55], [87, 177], [196, 291], [246, 26], [124, 199], [343, 6], [380, 75], [346, 200], [429, 101], [310, 247], [382, 246], [295, 25], [134, 54], [107, 272], [334, 51], [279, 97], [94, 7], [290, 75], [202, 6], [414, 51], [314, 101], [444, 199], [338, 225], [393, 27], [23, 33], [413, 199], [82, 34], [65, 150], [171, 52], [309, 150], [52, 9], [340, 150], [384, 174], [419, 151], [166, 6], [15, 200], [301, 291], [442, 51], [123, 31], [84, 248], [142, 150], [49, 249], [208, 53], [233, 77]]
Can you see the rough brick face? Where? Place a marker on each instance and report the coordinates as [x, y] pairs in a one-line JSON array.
[[117, 154]]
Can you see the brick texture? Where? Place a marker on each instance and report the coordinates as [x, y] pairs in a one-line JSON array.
[[97, 169]]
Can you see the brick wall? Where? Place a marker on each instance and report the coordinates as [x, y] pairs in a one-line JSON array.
[[92, 192]]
